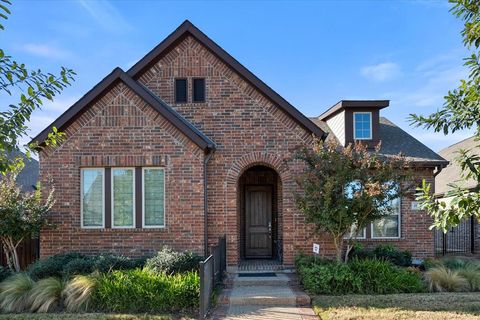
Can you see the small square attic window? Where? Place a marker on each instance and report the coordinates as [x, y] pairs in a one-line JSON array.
[[362, 125]]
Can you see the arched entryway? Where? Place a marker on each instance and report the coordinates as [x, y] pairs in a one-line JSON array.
[[259, 196]]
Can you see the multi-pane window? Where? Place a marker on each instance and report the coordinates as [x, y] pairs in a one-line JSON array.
[[181, 90], [388, 226], [123, 198], [92, 200], [362, 125], [153, 197], [198, 94]]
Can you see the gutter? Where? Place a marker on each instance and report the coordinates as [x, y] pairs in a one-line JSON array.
[[208, 156]]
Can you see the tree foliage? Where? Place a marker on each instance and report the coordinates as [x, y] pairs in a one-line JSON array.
[[22, 216], [32, 88], [346, 188], [461, 110]]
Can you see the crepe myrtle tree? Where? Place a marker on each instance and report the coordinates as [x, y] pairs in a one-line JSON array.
[[29, 88], [461, 110], [22, 216], [346, 188]]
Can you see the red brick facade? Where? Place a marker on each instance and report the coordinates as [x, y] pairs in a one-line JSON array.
[[121, 129]]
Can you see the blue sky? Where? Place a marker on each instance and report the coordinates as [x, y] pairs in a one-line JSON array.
[[313, 53]]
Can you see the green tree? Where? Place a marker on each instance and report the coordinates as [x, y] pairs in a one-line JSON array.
[[346, 188], [32, 87], [22, 216], [461, 110]]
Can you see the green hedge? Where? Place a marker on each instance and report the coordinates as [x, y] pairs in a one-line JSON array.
[[360, 276], [70, 264], [146, 291], [170, 261], [384, 252]]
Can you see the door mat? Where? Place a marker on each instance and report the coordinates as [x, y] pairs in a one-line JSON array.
[[258, 274]]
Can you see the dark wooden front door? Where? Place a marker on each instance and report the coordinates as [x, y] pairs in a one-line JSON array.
[[258, 221]]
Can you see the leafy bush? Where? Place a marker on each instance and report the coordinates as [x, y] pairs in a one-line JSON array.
[[14, 293], [384, 251], [46, 294], [78, 266], [170, 261], [146, 291], [4, 273], [442, 279], [52, 266], [78, 292], [363, 276]]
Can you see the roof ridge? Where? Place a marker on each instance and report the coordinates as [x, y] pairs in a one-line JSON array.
[[159, 105]]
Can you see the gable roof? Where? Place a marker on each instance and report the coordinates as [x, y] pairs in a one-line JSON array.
[[452, 173], [27, 178], [118, 75], [394, 141], [187, 28]]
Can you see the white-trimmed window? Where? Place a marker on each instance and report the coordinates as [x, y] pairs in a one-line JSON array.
[[123, 197], [388, 226], [362, 125], [153, 194], [92, 204]]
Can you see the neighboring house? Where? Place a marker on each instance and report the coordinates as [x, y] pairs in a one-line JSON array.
[[189, 145], [27, 178], [457, 239]]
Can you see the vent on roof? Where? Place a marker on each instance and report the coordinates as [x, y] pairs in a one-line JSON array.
[[180, 90]]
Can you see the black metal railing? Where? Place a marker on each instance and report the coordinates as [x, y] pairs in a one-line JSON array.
[[458, 240], [212, 271]]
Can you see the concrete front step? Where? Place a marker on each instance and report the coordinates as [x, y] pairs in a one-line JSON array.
[[263, 295], [280, 280]]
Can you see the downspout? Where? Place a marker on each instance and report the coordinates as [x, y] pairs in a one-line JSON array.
[[205, 200]]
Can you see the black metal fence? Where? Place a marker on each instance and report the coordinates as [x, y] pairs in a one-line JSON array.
[[212, 270], [458, 240]]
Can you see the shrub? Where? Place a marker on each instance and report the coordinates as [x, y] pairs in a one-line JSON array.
[[108, 262], [471, 273], [4, 273], [52, 266], [442, 279], [170, 261], [79, 266], [454, 263], [46, 294], [146, 291], [78, 292], [392, 254], [14, 293], [363, 276]]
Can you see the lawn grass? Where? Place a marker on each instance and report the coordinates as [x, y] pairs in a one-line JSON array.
[[420, 306], [89, 316]]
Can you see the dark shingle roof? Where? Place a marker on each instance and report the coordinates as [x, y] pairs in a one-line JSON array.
[[395, 141], [28, 177], [452, 173]]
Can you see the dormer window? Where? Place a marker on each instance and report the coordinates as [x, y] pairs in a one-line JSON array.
[[362, 125]]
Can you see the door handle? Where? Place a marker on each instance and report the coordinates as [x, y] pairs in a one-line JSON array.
[[270, 228]]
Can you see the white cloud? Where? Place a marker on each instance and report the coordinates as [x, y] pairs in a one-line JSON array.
[[106, 15], [45, 50], [381, 72]]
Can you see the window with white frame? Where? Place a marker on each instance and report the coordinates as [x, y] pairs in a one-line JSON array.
[[92, 197], [153, 197], [388, 226], [123, 197], [362, 125]]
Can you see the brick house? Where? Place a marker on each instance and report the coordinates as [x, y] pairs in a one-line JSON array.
[[189, 145]]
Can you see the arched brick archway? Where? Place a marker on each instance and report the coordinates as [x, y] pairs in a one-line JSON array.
[[284, 205]]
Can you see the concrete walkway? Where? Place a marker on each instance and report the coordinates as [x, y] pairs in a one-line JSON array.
[[274, 297]]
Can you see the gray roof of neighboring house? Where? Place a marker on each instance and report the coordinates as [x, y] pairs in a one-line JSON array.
[[394, 141], [452, 173], [28, 177]]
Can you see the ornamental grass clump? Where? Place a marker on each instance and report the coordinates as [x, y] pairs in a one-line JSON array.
[[441, 279], [78, 292], [46, 295], [15, 293]]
